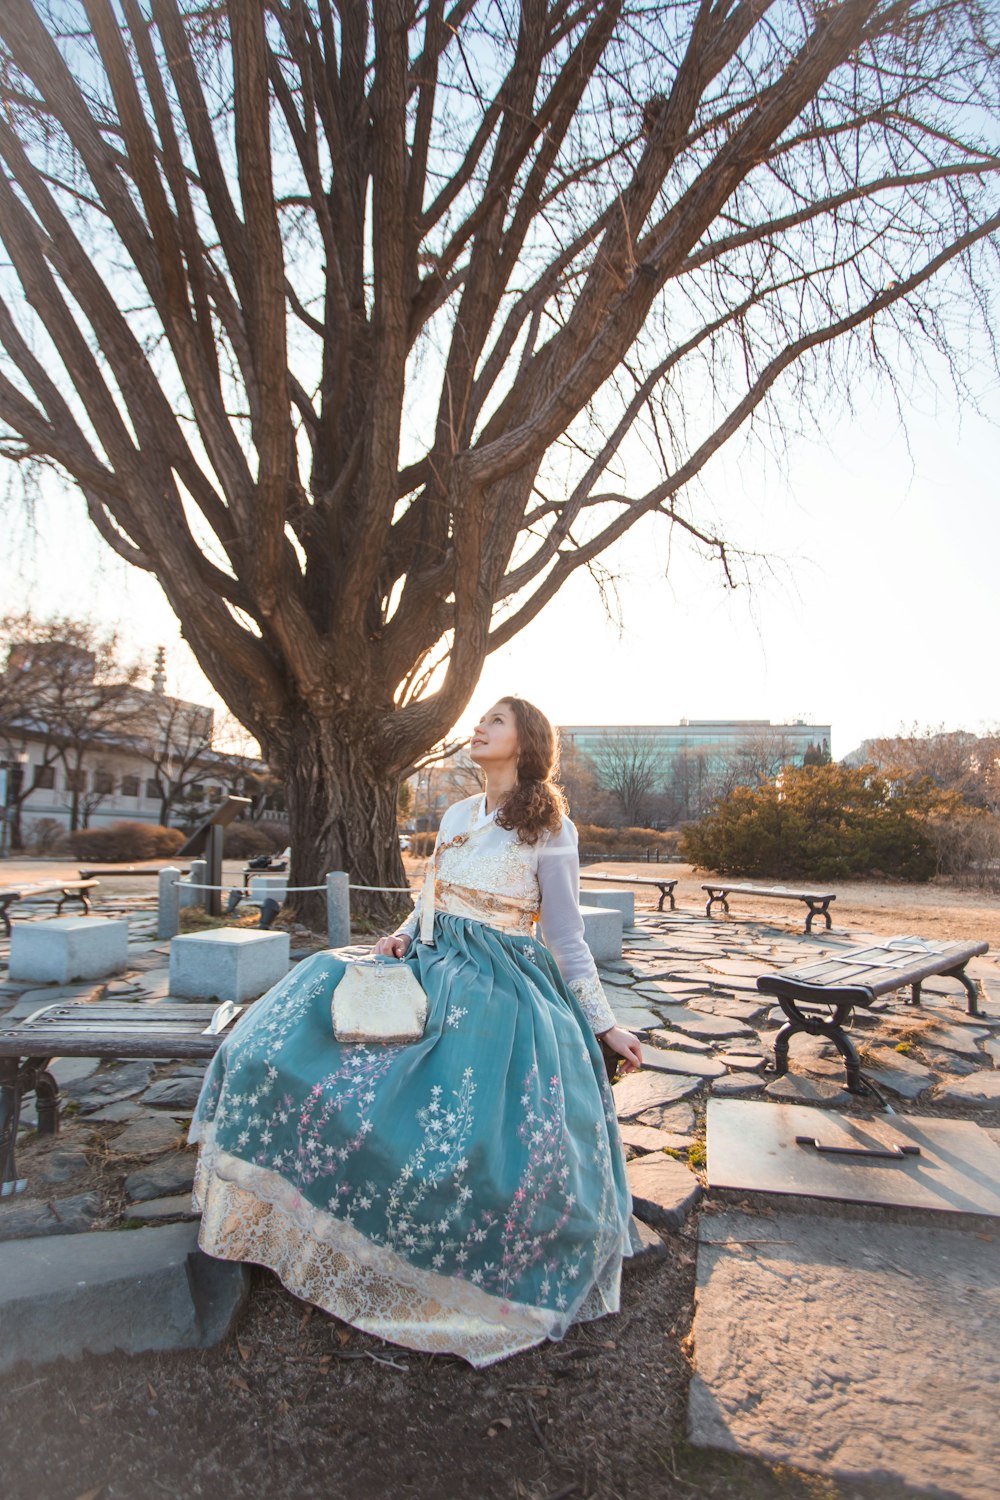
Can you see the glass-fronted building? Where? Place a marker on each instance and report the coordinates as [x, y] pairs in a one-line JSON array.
[[710, 739]]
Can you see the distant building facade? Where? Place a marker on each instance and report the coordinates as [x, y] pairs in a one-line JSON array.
[[668, 774], [715, 740], [141, 743]]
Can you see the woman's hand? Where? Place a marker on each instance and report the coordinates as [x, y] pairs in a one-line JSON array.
[[393, 946], [627, 1046]]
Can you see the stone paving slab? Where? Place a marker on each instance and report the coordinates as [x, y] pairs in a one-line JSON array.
[[150, 1289], [941, 1166], [24, 1218], [980, 1089], [664, 1190], [859, 1350], [642, 1091]]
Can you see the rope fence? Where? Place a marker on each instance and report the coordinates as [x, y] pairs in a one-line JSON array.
[[175, 892]]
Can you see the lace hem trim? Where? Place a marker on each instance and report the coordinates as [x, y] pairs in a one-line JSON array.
[[594, 1003], [252, 1214]]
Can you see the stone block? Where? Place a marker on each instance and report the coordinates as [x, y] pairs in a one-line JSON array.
[[623, 901], [227, 963], [264, 887], [104, 1291], [68, 948], [602, 932]]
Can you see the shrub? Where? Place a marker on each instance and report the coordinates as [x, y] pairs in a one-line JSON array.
[[597, 842], [246, 841], [967, 846], [422, 844], [823, 822], [47, 836], [125, 841]]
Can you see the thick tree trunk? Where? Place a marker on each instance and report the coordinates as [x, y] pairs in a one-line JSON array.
[[342, 816]]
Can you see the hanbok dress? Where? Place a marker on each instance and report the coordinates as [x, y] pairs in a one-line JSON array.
[[465, 1193]]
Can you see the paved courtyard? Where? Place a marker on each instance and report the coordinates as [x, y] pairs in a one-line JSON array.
[[688, 984]]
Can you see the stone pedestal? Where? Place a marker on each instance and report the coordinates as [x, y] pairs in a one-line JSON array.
[[68, 948], [273, 886], [602, 931], [228, 963], [623, 901]]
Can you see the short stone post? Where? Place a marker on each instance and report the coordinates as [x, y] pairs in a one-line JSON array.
[[168, 920], [198, 876], [338, 909]]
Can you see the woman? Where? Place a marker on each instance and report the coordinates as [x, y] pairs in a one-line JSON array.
[[465, 1193]]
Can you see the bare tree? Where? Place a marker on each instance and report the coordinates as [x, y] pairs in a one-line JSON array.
[[67, 688], [345, 318], [175, 737], [956, 760], [631, 766], [754, 759]]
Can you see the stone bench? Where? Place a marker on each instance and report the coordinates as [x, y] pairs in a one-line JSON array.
[[268, 887], [623, 901], [68, 948], [602, 932], [227, 963]]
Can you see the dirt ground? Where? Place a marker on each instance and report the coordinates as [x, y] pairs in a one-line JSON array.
[[298, 1404], [931, 909]]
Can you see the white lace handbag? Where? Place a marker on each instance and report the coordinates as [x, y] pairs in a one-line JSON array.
[[379, 1001]]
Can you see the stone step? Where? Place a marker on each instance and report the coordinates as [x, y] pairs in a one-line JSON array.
[[61, 1298]]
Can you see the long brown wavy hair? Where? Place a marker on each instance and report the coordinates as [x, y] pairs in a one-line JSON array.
[[536, 805]]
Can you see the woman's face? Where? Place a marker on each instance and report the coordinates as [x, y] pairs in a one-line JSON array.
[[494, 739]]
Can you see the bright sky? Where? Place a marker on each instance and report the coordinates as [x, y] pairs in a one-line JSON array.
[[880, 611]]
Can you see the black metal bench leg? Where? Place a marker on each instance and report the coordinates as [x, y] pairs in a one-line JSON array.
[[711, 902], [46, 1100], [852, 1063], [10, 1113], [818, 909], [781, 1040], [969, 985], [914, 993]]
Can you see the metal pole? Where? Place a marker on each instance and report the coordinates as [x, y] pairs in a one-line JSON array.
[[169, 908], [338, 909]]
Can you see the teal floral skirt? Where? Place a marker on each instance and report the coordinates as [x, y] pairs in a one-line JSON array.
[[465, 1193]]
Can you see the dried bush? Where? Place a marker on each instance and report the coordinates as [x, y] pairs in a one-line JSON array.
[[967, 847], [125, 841], [597, 842], [247, 840]]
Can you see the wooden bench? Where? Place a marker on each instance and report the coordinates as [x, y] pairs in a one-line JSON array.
[[92, 1029], [818, 902], [665, 887], [858, 976], [68, 890]]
